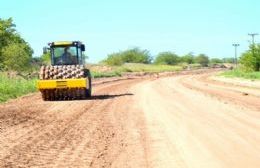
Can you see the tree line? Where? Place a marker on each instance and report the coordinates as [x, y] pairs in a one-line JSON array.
[[137, 55], [16, 54]]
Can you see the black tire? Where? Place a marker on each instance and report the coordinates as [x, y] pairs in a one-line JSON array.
[[89, 90], [44, 95]]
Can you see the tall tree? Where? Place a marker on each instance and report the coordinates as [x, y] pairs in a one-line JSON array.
[[7, 32], [13, 48]]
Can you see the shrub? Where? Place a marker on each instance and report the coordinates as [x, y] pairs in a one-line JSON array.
[[15, 57], [15, 52], [189, 58], [202, 59], [167, 58], [250, 61], [135, 55]]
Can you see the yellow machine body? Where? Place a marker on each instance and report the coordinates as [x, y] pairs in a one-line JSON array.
[[62, 84]]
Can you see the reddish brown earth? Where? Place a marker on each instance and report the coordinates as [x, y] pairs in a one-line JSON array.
[[186, 120]]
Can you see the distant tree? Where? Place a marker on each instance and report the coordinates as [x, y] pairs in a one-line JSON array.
[[114, 59], [188, 58], [250, 61], [202, 59], [135, 55], [16, 57], [167, 58], [216, 61], [46, 58]]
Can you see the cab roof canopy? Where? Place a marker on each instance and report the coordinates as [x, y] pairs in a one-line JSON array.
[[65, 43]]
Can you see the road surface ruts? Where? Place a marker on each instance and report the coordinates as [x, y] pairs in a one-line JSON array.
[[179, 121]]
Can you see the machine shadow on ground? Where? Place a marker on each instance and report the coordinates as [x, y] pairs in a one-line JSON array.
[[98, 97], [110, 96]]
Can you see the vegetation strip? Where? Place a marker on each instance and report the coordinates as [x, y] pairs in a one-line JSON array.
[[237, 73], [11, 88]]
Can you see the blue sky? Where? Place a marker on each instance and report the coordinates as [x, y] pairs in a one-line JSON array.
[[199, 26]]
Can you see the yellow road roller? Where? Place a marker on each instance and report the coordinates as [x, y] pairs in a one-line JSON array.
[[66, 78]]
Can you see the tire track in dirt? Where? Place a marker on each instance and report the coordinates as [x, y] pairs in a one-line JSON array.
[[235, 87], [198, 82], [56, 129], [69, 140]]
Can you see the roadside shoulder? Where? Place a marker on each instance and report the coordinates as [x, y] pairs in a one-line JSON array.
[[238, 81]]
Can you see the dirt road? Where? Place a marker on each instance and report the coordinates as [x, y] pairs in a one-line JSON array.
[[180, 121]]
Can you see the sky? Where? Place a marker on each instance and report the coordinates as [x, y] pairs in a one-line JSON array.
[[180, 26]]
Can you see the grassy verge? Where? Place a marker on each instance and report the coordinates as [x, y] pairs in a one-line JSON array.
[[241, 74], [11, 88], [96, 74], [148, 68], [114, 71]]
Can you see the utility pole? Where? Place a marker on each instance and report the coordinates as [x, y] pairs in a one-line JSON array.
[[253, 37], [236, 45], [253, 48]]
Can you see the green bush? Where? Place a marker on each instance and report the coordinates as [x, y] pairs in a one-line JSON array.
[[250, 61], [15, 52], [16, 58], [114, 59], [167, 58], [202, 59], [135, 55], [189, 59]]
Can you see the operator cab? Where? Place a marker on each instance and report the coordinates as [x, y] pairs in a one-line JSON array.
[[66, 53]]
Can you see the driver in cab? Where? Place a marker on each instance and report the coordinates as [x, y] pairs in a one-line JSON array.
[[66, 56]]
